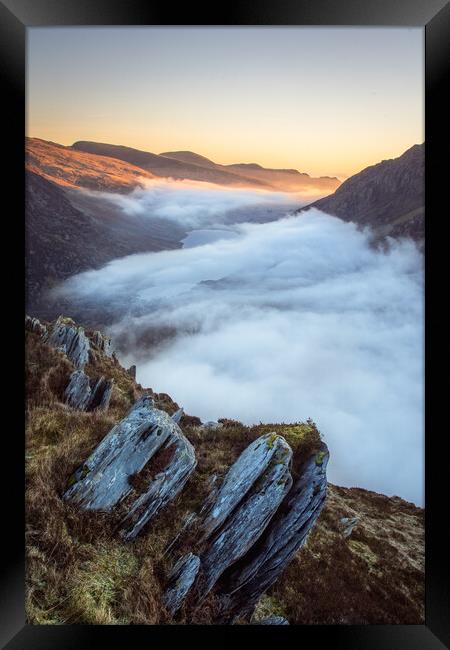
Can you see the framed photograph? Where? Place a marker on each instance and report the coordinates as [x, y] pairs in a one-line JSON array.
[[232, 284]]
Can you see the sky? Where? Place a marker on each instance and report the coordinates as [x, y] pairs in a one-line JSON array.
[[326, 101]]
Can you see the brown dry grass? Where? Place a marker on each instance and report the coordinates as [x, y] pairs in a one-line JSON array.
[[80, 571]]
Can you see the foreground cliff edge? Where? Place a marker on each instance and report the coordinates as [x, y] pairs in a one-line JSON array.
[[139, 513]]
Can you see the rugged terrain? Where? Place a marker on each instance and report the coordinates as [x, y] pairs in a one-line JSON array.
[[389, 197], [362, 563]]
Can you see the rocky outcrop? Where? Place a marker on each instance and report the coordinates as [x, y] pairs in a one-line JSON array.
[[78, 391], [284, 536], [87, 394], [132, 371], [176, 417], [34, 325], [103, 343], [348, 524], [246, 524], [72, 340], [261, 454], [252, 527], [181, 580], [121, 466], [273, 620]]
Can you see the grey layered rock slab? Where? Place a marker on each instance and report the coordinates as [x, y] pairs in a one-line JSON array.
[[258, 503], [253, 461], [87, 395], [132, 371], [101, 394], [272, 620], [103, 480], [348, 524], [282, 539], [103, 343], [65, 335], [164, 486], [181, 579], [34, 325], [176, 417], [78, 391]]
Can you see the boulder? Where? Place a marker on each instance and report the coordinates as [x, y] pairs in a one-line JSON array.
[[211, 425], [66, 336], [103, 343], [34, 325], [348, 524], [181, 579], [176, 417], [164, 486], [101, 394], [106, 477], [78, 391], [253, 525], [241, 529], [132, 371], [282, 539], [272, 620], [86, 394], [253, 461]]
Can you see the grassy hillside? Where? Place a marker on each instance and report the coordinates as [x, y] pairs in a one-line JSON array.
[[79, 570]]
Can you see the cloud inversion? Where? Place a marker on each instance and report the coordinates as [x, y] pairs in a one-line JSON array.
[[291, 319]]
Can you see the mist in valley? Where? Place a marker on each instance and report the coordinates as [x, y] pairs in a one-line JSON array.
[[275, 320]]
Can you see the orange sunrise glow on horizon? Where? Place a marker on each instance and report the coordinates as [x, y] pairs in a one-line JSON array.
[[325, 101]]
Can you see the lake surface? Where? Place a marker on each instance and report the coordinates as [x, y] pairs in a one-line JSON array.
[[207, 236]]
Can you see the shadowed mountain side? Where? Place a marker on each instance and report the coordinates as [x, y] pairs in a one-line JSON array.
[[63, 237], [71, 168], [389, 196]]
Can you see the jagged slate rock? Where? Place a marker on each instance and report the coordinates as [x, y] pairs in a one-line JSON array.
[[34, 325], [248, 467], [101, 394], [70, 338], [132, 371], [176, 417], [103, 343], [283, 537], [272, 620], [212, 425], [244, 526], [103, 479], [348, 523], [165, 485], [84, 394], [78, 391], [180, 581]]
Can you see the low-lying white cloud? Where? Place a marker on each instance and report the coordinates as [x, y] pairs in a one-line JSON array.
[[198, 204], [291, 319]]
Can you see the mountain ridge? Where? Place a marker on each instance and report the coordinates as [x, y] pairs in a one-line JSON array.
[[193, 166], [388, 196]]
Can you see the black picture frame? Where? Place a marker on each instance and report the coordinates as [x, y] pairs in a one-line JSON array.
[[434, 15]]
